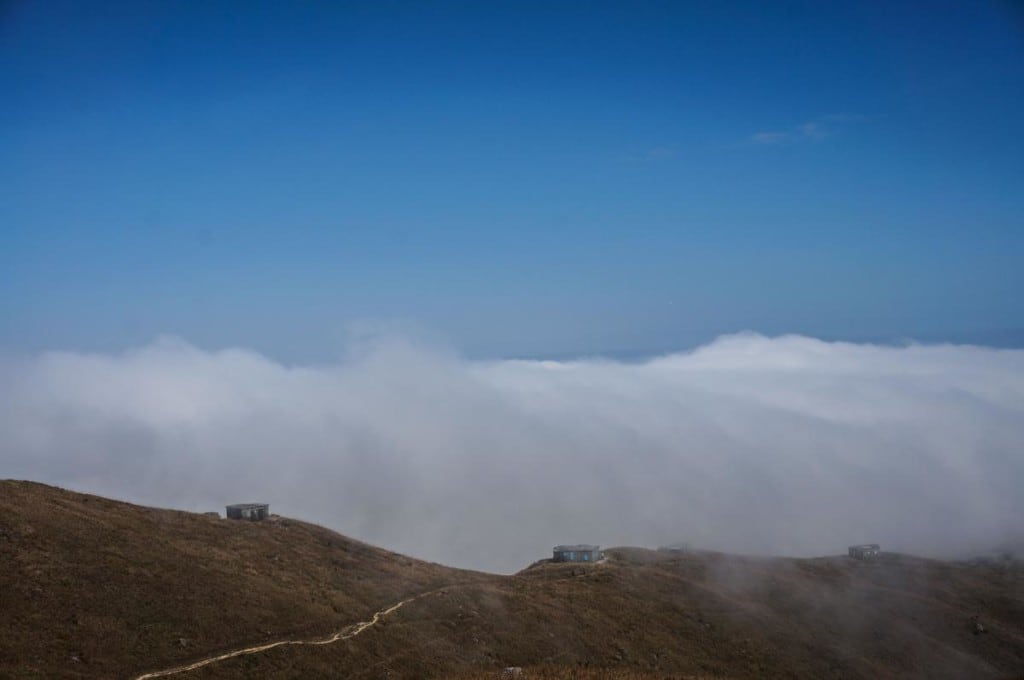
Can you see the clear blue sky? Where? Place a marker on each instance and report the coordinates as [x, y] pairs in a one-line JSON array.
[[522, 179]]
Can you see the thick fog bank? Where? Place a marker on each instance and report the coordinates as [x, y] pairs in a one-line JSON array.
[[750, 444]]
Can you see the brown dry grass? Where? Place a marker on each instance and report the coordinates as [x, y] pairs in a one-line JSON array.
[[118, 585], [572, 673], [121, 587]]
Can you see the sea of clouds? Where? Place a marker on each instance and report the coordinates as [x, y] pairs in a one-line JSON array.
[[786, 445]]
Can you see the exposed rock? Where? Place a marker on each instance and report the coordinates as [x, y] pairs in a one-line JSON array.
[[976, 627]]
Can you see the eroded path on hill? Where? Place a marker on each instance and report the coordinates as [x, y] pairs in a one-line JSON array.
[[345, 633]]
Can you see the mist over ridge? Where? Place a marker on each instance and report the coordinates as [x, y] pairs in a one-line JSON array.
[[785, 445]]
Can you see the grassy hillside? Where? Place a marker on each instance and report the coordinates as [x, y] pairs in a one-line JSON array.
[[97, 588], [645, 614]]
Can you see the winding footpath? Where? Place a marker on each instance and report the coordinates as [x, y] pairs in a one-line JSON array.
[[345, 633]]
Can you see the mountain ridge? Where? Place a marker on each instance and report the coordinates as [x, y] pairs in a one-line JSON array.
[[93, 587]]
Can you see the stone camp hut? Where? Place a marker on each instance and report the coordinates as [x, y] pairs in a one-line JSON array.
[[868, 551], [250, 511], [576, 553]]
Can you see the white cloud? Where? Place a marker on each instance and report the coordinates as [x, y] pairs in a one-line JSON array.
[[775, 445], [810, 131]]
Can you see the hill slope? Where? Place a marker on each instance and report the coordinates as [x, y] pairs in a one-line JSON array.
[[96, 588]]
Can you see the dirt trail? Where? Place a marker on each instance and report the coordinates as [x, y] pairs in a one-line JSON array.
[[344, 634]]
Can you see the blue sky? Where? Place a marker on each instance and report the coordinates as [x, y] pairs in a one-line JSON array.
[[516, 178]]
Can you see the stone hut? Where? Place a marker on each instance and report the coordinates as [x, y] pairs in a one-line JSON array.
[[576, 553], [868, 551], [253, 512]]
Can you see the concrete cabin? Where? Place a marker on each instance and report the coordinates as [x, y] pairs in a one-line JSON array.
[[576, 553], [868, 551], [253, 512]]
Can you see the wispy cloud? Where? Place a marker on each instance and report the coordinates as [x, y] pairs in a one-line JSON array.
[[812, 130], [771, 445], [809, 131]]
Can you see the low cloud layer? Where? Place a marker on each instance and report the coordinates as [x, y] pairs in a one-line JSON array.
[[784, 445]]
